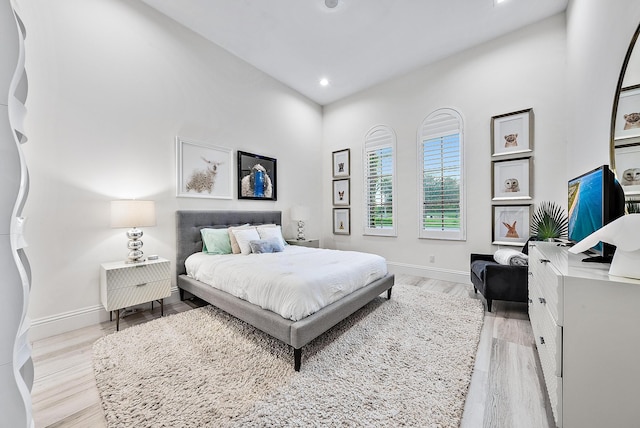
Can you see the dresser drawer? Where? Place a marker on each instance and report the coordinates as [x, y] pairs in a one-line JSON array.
[[118, 298], [549, 282], [132, 275]]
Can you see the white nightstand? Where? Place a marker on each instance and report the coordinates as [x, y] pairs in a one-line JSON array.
[[311, 243], [127, 284]]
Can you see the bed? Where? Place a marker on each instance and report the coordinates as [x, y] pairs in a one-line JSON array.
[[294, 333]]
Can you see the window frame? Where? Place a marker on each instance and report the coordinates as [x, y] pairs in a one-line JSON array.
[[424, 134], [378, 137]]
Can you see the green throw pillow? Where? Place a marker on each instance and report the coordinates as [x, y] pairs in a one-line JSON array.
[[215, 241]]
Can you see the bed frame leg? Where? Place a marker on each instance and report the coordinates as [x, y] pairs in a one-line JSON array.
[[389, 293], [297, 358], [181, 291]]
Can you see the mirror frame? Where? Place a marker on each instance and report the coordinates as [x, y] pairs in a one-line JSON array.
[[616, 98]]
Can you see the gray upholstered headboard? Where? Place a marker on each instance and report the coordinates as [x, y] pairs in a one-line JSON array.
[[189, 223]]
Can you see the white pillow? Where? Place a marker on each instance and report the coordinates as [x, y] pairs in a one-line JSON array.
[[271, 231], [244, 237], [232, 238]]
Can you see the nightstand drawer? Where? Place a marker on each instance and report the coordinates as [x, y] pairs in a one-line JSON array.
[[132, 275], [118, 298]]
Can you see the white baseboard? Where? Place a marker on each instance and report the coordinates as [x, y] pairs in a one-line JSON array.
[[460, 277], [67, 321]]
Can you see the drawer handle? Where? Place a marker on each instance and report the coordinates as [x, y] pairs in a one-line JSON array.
[[541, 340], [142, 285], [544, 260], [542, 300], [530, 301], [530, 273]]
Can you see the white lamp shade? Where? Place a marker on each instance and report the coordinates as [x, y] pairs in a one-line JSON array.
[[299, 212], [133, 213]]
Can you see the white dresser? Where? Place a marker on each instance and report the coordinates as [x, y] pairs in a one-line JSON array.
[[126, 284], [587, 329]]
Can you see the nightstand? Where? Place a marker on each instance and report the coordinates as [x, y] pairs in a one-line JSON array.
[[311, 243], [128, 284]]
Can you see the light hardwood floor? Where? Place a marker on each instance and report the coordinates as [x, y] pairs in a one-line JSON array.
[[505, 390]]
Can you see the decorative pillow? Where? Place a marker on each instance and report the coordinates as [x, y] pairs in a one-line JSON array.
[[269, 245], [271, 231], [243, 237], [215, 241], [235, 249]]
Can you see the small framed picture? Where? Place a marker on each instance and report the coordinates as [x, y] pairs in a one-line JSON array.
[[203, 170], [628, 169], [341, 221], [341, 163], [512, 133], [511, 179], [341, 192], [511, 224], [627, 126], [256, 177]]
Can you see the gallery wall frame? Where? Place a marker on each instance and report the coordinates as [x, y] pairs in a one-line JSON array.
[[203, 170], [342, 192], [512, 133], [628, 169], [512, 180], [627, 123], [341, 162], [257, 177], [342, 221], [510, 224]]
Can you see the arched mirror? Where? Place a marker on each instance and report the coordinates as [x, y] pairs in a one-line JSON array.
[[625, 123]]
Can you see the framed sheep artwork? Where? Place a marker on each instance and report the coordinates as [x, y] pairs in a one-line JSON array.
[[511, 224], [628, 169], [511, 179], [627, 122], [512, 133], [203, 170], [257, 178]]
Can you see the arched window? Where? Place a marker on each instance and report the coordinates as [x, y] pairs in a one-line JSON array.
[[441, 176], [379, 181]]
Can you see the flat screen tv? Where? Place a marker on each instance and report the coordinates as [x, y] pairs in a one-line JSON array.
[[595, 199]]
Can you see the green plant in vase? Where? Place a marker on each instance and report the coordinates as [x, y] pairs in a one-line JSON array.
[[549, 221]]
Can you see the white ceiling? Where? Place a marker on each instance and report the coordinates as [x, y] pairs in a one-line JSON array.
[[355, 45]]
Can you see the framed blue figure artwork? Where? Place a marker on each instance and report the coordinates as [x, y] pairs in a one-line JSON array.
[[257, 178]]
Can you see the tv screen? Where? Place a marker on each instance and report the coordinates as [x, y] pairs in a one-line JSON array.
[[595, 199]]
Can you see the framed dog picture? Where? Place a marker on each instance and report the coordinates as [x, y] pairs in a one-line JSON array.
[[341, 221], [341, 192], [511, 179], [512, 133], [257, 177], [511, 224]]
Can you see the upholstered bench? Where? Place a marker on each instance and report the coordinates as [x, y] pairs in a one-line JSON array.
[[497, 281]]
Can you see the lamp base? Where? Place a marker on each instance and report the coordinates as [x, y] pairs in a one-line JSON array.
[[301, 236], [134, 245]]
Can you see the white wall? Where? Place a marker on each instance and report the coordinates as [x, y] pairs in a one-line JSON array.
[[598, 36], [518, 71], [112, 82]]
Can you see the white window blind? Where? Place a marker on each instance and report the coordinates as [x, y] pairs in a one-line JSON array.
[[440, 163], [379, 182]]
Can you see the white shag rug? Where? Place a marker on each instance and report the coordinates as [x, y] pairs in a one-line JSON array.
[[403, 362]]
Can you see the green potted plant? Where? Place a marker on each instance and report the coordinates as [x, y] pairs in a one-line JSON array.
[[549, 222]]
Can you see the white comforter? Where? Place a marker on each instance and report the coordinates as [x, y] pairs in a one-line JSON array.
[[294, 283]]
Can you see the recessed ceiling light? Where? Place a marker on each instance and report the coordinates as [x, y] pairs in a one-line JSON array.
[[331, 3], [324, 82], [499, 1]]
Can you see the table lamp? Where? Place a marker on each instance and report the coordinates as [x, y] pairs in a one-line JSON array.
[[133, 214], [300, 214]]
